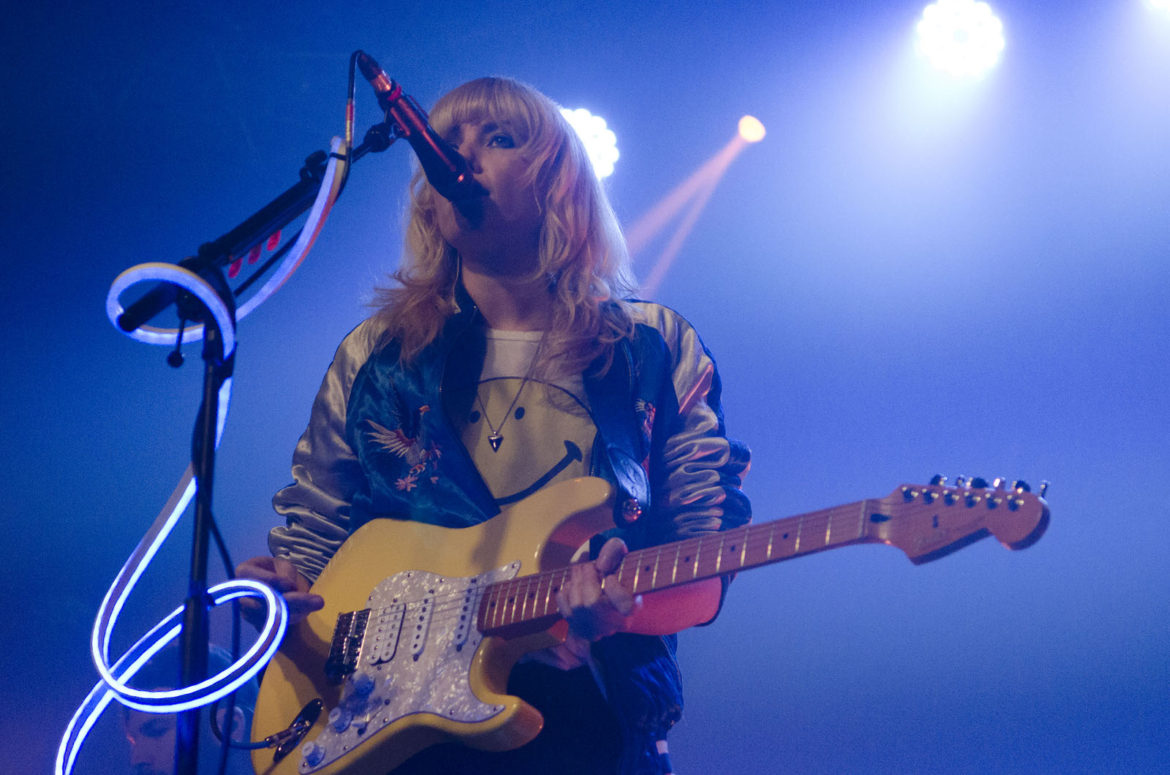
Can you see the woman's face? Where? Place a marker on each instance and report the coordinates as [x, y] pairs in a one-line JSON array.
[[499, 231]]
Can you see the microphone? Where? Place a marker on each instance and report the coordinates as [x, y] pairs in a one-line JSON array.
[[445, 169]]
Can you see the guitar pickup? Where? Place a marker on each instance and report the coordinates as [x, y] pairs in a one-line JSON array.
[[383, 633]]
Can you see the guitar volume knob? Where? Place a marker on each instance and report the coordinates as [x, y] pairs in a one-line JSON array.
[[362, 683], [312, 753], [340, 718]]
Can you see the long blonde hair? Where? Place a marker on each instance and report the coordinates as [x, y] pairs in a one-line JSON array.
[[581, 250]]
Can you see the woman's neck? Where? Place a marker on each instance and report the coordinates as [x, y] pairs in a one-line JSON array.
[[508, 303]]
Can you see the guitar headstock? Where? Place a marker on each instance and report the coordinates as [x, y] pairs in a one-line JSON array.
[[928, 521]]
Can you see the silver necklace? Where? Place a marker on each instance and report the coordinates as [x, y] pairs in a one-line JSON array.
[[495, 438]]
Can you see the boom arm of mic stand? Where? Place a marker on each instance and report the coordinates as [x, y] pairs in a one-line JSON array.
[[237, 242]]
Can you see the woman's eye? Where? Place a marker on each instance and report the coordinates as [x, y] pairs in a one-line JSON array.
[[501, 140]]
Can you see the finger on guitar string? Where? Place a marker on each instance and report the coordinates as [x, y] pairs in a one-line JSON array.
[[592, 599], [609, 559], [619, 597]]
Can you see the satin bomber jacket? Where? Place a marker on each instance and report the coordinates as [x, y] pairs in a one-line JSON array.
[[660, 441]]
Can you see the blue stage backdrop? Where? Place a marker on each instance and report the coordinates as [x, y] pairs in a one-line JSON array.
[[909, 275]]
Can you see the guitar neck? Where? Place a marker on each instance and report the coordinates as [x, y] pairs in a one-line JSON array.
[[528, 603]]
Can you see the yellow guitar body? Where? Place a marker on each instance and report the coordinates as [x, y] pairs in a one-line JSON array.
[[539, 533]]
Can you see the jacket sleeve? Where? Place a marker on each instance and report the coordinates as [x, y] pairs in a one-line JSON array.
[[326, 473], [699, 487]]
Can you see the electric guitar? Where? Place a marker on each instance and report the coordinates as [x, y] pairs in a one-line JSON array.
[[402, 657]]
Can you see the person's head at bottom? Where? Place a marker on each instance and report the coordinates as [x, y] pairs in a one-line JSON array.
[[151, 736]]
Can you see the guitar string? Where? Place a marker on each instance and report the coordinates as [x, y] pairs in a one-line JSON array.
[[509, 592], [519, 588], [514, 597], [518, 600]]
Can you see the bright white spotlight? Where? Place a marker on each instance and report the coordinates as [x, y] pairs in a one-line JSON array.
[[600, 141], [961, 37], [751, 129], [1159, 5]]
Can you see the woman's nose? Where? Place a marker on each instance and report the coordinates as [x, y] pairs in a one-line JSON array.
[[466, 149]]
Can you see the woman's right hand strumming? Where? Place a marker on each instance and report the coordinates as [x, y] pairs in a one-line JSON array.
[[281, 575]]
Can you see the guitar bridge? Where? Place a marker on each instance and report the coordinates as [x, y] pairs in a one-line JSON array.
[[346, 645]]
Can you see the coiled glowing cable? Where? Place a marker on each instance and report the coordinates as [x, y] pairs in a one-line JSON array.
[[113, 684]]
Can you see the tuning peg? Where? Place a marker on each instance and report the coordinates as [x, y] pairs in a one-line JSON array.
[[960, 481], [998, 482], [938, 479], [1020, 485], [1043, 489], [979, 482]]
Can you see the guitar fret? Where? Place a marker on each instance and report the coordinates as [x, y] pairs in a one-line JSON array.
[[489, 603], [520, 601], [559, 583], [498, 606], [501, 596], [510, 604], [534, 597], [526, 591], [548, 595]]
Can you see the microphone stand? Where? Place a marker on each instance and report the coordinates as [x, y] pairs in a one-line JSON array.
[[195, 635], [209, 263]]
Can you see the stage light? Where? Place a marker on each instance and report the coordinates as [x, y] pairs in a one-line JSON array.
[[962, 37], [600, 141], [751, 129], [1159, 5]]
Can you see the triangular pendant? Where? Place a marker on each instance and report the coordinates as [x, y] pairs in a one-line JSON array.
[[495, 440]]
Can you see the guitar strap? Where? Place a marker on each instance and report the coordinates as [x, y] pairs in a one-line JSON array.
[[612, 396]]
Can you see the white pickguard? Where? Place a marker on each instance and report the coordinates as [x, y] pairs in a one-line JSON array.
[[415, 657]]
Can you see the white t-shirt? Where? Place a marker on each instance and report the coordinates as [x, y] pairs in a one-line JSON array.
[[524, 433]]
